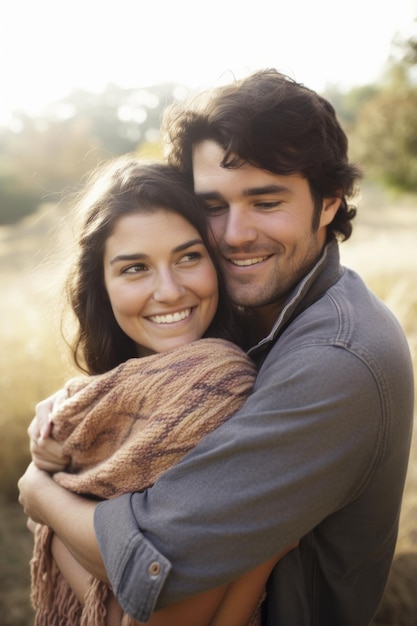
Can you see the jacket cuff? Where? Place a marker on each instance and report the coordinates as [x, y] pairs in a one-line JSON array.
[[136, 570]]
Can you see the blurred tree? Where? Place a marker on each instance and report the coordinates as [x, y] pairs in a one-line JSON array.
[[409, 50], [381, 122], [47, 157], [15, 205], [349, 104], [120, 119], [53, 154], [385, 134]]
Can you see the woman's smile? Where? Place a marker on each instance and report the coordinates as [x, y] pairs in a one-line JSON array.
[[170, 318], [160, 280]]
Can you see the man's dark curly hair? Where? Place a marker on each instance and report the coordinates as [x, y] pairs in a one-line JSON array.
[[272, 122]]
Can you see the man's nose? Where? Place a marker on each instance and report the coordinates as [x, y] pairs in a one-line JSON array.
[[239, 229], [168, 287]]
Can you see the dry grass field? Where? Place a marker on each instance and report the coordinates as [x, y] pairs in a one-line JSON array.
[[383, 250], [33, 359]]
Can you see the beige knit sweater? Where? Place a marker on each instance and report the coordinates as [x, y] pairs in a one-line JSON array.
[[122, 429]]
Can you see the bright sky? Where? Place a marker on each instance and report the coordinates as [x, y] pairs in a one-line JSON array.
[[49, 47]]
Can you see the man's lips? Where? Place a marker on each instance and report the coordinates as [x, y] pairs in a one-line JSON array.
[[248, 262], [170, 318]]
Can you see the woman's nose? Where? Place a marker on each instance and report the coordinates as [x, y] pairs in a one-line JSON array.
[[168, 288]]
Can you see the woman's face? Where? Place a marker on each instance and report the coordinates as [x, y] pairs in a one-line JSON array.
[[160, 280]]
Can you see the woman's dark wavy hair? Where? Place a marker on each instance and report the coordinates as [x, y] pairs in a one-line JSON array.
[[123, 187], [270, 121]]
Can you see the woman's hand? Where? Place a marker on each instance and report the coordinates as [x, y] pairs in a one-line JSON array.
[[31, 525], [31, 485], [47, 454]]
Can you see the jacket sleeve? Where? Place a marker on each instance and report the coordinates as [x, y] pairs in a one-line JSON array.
[[304, 444]]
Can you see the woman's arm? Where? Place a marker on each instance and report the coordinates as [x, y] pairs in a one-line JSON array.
[[196, 611], [76, 576], [44, 502], [229, 605], [68, 515], [79, 580]]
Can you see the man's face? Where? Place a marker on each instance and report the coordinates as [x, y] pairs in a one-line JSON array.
[[262, 228]]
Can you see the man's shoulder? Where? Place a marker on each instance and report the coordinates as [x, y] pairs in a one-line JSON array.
[[349, 314], [347, 317]]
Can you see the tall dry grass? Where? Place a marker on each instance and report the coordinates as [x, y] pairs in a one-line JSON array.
[[384, 252], [33, 357], [34, 361]]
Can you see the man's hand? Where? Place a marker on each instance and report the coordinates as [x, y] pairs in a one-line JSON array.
[[46, 453]]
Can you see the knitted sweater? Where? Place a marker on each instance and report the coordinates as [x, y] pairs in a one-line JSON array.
[[121, 430]]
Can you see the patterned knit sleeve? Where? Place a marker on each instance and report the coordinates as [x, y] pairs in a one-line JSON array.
[[131, 424]]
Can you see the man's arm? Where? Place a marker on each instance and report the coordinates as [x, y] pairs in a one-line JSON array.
[[68, 515], [255, 485], [233, 604]]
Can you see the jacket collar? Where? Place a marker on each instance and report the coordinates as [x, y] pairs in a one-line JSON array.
[[325, 273]]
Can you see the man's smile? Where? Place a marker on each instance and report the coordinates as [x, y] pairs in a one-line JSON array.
[[247, 262]]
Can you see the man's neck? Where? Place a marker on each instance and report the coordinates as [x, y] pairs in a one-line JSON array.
[[259, 321]]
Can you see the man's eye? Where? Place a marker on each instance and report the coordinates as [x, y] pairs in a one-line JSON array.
[[215, 209], [268, 204]]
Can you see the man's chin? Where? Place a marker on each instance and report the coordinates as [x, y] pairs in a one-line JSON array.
[[253, 296], [245, 298]]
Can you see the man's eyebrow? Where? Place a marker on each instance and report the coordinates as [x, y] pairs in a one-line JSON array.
[[250, 191], [265, 190], [208, 195], [137, 256]]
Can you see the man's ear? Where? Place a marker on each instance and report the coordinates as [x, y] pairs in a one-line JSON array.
[[329, 209]]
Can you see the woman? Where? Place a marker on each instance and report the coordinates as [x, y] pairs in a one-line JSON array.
[[144, 284]]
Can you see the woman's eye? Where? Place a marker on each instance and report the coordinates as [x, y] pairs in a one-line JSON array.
[[134, 269], [190, 256]]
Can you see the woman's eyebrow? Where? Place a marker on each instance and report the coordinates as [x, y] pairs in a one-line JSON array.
[[188, 244], [137, 256], [128, 257]]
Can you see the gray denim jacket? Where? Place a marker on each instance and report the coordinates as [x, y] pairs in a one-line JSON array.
[[318, 453]]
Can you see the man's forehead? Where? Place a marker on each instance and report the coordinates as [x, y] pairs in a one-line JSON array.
[[207, 152], [211, 177]]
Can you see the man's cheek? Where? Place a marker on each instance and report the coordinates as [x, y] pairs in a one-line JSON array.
[[215, 233]]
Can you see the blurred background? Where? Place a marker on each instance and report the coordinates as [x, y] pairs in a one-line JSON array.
[[88, 80]]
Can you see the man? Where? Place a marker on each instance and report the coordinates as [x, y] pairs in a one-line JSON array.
[[319, 452]]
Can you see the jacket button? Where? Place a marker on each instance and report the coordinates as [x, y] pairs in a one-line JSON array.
[[154, 568]]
